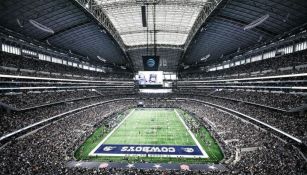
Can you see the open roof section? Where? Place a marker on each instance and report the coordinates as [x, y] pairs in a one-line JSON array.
[[174, 20]]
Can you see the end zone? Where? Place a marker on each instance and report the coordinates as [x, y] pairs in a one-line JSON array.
[[149, 150]]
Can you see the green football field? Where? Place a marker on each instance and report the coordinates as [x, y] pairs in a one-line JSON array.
[[151, 127]]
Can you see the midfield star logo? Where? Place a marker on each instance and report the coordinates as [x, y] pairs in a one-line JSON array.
[[148, 149]]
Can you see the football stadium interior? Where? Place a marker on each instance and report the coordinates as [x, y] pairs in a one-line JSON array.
[[131, 87]]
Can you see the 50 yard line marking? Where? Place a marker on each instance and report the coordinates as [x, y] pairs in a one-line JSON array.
[[92, 152]]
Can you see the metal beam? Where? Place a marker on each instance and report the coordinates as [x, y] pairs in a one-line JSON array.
[[129, 3], [199, 22], [144, 46], [202, 17], [152, 31], [98, 13]]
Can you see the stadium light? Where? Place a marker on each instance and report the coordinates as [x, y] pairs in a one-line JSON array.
[[41, 26], [256, 22], [205, 57], [101, 59], [19, 23]]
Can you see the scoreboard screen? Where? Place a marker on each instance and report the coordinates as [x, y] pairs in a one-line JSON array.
[[149, 78]]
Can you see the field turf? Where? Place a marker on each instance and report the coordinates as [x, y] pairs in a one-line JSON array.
[[152, 127]]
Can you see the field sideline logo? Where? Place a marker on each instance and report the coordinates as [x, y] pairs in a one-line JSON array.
[[188, 150], [109, 148], [148, 149]]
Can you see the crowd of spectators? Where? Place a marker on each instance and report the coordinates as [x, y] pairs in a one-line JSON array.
[[269, 153], [279, 100], [48, 149], [25, 66], [280, 65], [291, 123], [269, 107], [247, 148], [35, 98], [14, 120]]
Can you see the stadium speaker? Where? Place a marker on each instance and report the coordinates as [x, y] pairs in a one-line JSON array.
[[151, 63], [144, 22]]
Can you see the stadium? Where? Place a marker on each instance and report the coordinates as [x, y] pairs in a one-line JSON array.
[[131, 87]]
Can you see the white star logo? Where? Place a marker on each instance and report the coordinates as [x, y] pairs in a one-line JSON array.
[[130, 165], [157, 166], [212, 167]]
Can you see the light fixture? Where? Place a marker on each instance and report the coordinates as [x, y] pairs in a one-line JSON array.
[[101, 59], [41, 26], [205, 57], [186, 67], [256, 22], [260, 38], [19, 23]]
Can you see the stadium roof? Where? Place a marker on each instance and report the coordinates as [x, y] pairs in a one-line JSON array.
[[223, 31], [61, 23], [174, 20], [186, 30]]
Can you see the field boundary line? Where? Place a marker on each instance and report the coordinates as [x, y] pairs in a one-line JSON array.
[[92, 152], [192, 135]]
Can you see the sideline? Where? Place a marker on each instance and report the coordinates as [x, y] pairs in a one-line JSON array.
[[205, 155], [92, 153]]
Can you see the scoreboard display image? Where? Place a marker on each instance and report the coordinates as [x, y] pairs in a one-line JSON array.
[[149, 77]]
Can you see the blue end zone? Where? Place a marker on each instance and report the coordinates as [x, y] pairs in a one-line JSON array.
[[148, 150]]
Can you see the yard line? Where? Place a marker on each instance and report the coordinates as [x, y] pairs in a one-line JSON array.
[[92, 152], [192, 135]]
